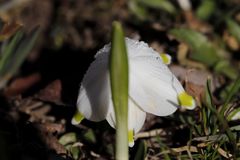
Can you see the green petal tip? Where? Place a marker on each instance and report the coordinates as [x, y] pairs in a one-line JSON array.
[[186, 101], [77, 118]]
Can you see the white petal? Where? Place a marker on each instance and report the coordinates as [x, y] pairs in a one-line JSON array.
[[111, 116], [136, 117], [94, 94], [137, 48], [153, 87]]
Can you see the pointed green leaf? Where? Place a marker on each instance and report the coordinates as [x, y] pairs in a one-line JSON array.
[[9, 47], [14, 53], [24, 49]]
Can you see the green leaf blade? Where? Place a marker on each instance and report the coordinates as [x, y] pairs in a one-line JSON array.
[[203, 50], [159, 4], [14, 53]]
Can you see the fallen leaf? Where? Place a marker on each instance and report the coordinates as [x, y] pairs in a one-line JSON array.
[[52, 93], [195, 76], [231, 41], [50, 140], [22, 84], [194, 79]]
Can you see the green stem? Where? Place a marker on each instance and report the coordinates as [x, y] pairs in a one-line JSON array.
[[119, 69], [121, 140]]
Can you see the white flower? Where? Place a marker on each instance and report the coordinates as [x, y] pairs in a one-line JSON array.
[[152, 88]]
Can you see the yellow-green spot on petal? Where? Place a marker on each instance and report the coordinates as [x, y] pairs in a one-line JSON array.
[[130, 138], [186, 100], [77, 118], [165, 58]]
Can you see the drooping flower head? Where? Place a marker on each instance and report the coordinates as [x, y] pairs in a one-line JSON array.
[[152, 88]]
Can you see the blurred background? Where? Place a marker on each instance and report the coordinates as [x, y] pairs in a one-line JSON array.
[[47, 46]]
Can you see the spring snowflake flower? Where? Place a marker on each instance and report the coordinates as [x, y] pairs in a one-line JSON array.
[[152, 88]]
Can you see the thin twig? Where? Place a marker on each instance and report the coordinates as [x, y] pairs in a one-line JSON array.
[[223, 152], [180, 149], [151, 133]]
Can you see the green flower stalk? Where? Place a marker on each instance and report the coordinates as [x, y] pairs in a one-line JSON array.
[[119, 87]]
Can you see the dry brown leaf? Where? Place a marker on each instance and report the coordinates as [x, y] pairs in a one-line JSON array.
[[195, 76], [231, 41], [52, 93], [37, 110], [22, 84], [194, 79], [50, 140]]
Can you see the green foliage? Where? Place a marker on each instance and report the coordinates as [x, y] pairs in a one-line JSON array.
[[137, 9], [211, 129], [233, 91], [159, 4], [13, 53], [224, 67], [89, 136], [202, 49], [205, 10], [223, 125], [141, 151], [68, 138], [140, 7], [205, 51], [69, 141]]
